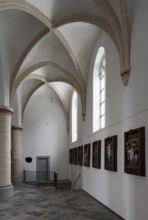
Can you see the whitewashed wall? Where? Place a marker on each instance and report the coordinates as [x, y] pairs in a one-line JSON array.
[[127, 108], [4, 76], [45, 132], [17, 109]]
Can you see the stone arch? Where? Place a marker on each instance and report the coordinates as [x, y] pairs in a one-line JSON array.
[[121, 31], [57, 93], [72, 56], [26, 7], [70, 80], [111, 25], [32, 43]]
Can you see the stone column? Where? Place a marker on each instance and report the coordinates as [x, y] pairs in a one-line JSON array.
[[16, 154], [6, 188]]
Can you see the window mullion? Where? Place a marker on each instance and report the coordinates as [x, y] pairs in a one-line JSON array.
[[102, 92]]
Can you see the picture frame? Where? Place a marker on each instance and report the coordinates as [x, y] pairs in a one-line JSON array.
[[110, 153], [70, 156], [134, 151], [80, 155], [87, 155], [74, 156], [96, 154]]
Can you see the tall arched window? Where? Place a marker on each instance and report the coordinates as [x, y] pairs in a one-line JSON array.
[[99, 89], [74, 116]]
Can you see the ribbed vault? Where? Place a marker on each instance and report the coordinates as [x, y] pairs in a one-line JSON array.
[[108, 21]]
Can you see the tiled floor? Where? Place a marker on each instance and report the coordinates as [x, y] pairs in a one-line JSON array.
[[34, 202]]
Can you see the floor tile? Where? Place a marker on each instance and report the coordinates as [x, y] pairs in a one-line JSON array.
[[36, 202]]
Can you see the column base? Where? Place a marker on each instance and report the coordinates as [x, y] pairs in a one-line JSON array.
[[6, 191], [16, 179]]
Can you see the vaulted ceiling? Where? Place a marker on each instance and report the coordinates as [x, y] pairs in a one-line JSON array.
[[52, 41]]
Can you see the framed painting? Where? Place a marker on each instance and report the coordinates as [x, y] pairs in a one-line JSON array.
[[110, 153], [134, 151], [74, 155], [96, 154], [87, 155], [70, 156], [80, 155]]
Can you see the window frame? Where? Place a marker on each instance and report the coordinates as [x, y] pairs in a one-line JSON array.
[[101, 76], [99, 90], [74, 116]]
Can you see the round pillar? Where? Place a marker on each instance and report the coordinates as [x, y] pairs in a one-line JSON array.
[[6, 188], [16, 154]]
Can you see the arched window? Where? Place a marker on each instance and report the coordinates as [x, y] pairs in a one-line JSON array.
[[74, 116], [99, 90]]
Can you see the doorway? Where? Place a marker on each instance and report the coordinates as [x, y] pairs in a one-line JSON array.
[[42, 169]]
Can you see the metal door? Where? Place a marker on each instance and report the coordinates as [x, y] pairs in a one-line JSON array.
[[42, 169]]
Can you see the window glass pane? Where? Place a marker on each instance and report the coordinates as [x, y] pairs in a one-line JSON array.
[[104, 62], [102, 72], [74, 116], [102, 96], [99, 90], [102, 82], [102, 108], [103, 121], [102, 91]]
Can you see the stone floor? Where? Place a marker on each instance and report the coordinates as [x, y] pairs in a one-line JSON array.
[[35, 202]]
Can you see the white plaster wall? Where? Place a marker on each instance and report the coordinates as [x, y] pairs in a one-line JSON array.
[[14, 120], [4, 76], [17, 108], [45, 132], [127, 108]]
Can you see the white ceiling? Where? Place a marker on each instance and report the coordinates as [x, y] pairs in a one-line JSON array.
[[51, 41], [54, 9]]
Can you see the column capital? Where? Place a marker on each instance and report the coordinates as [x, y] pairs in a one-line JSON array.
[[16, 127], [5, 109]]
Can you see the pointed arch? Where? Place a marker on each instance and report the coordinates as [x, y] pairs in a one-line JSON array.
[[32, 43], [66, 73], [26, 7], [110, 24], [58, 94], [99, 90], [121, 32], [72, 56]]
